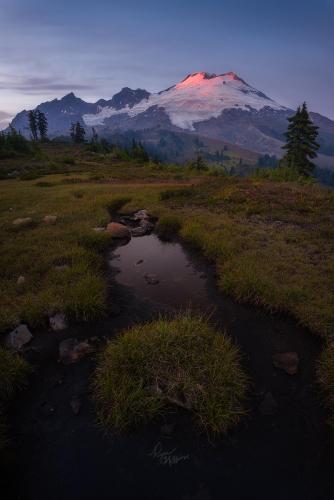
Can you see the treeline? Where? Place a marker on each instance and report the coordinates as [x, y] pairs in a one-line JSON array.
[[38, 125], [12, 144], [133, 150]]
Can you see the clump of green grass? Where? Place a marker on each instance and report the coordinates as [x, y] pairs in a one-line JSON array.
[[69, 160], [176, 193], [95, 241], [180, 362], [168, 226], [325, 374], [117, 203], [14, 371], [283, 174]]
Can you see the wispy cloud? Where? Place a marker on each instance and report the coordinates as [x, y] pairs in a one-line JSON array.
[[41, 85]]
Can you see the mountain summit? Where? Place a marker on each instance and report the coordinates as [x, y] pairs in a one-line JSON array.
[[197, 98]]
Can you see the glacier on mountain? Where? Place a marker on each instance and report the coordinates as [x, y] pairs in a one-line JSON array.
[[197, 98]]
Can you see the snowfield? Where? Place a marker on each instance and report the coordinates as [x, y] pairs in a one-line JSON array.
[[197, 98]]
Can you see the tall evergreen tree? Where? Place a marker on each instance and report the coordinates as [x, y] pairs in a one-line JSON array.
[[95, 137], [301, 146], [32, 117], [77, 133], [72, 132], [42, 125]]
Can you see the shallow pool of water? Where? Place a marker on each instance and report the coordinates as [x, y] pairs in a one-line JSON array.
[[180, 283]]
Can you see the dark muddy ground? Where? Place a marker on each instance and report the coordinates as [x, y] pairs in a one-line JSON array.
[[59, 455]]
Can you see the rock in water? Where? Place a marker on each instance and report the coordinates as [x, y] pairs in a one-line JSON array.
[[138, 231], [117, 230], [268, 406], [151, 279], [71, 350], [287, 361], [76, 404], [141, 215], [58, 322], [18, 337], [50, 219]]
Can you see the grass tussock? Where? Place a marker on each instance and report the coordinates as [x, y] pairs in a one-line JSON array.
[[179, 362], [326, 378], [168, 226]]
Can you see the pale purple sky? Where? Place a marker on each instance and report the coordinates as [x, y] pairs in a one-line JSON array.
[[94, 48]]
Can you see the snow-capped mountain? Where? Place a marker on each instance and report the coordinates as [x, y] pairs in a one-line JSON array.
[[215, 107], [197, 98]]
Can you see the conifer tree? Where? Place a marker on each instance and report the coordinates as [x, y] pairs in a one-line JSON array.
[[95, 137], [301, 146], [42, 125], [32, 117], [77, 133], [72, 132]]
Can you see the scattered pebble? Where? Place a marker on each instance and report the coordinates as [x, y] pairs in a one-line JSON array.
[[99, 229], [287, 361], [18, 337], [268, 405], [23, 221], [58, 322], [50, 219], [151, 279], [62, 267], [76, 404], [72, 350], [167, 429], [20, 280]]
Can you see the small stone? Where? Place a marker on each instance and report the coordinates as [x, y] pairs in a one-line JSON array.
[[151, 279], [118, 231], [23, 221], [71, 350], [167, 429], [76, 404], [18, 337], [138, 231], [141, 215], [268, 405], [62, 267], [99, 229], [287, 361], [50, 219], [58, 322], [20, 280]]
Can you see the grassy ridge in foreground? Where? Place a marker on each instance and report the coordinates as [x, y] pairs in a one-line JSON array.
[[181, 362], [273, 243]]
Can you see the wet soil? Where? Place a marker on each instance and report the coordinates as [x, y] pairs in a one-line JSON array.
[[282, 452]]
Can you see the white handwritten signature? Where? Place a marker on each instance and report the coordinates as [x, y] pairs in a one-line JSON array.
[[167, 457]]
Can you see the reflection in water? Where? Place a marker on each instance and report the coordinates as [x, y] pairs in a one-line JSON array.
[[180, 284]]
